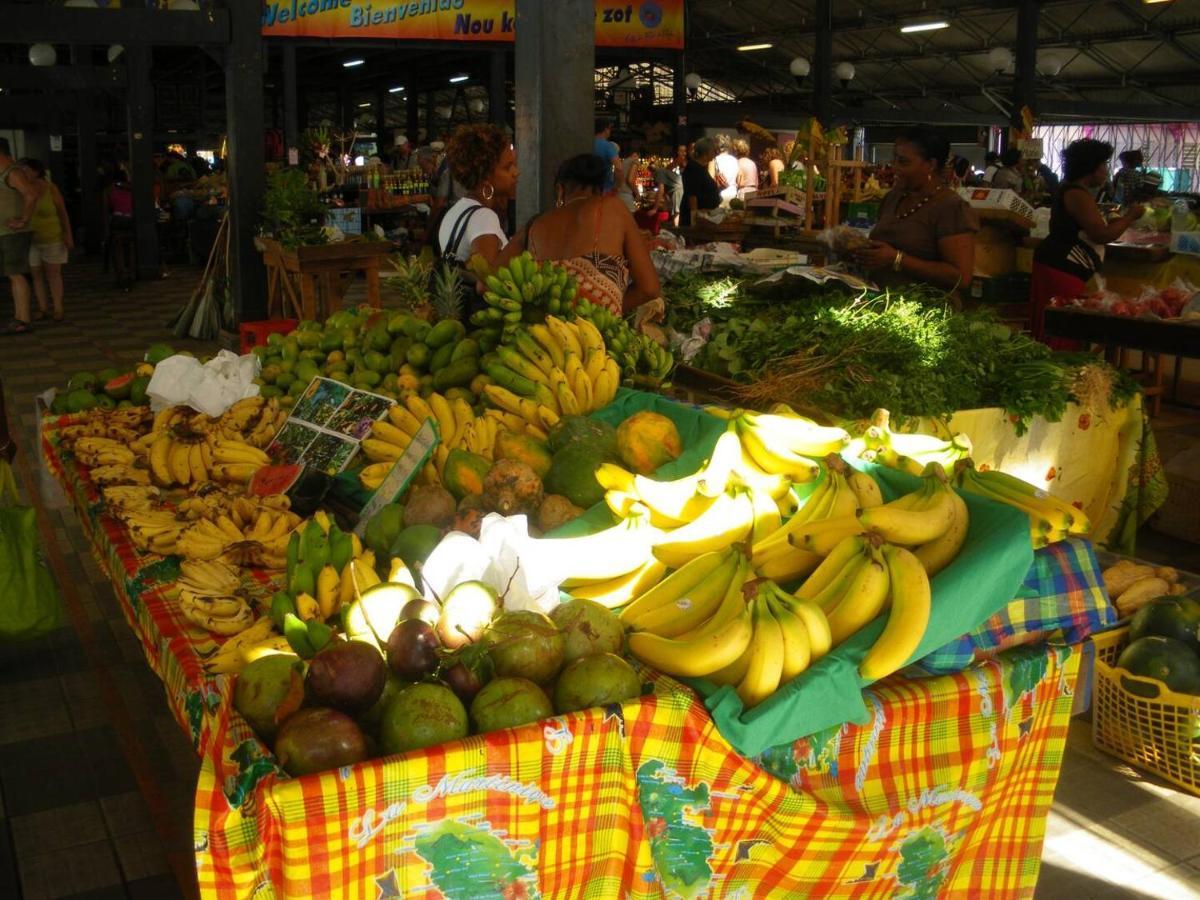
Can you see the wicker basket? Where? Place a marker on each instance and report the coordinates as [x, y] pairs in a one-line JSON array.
[[1160, 735]]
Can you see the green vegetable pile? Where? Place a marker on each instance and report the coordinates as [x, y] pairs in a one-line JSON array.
[[908, 352]]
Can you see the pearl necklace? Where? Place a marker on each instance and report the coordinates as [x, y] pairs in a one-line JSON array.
[[906, 195]]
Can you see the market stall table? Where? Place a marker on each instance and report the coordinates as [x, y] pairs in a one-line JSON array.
[[944, 788], [1176, 338], [320, 274]]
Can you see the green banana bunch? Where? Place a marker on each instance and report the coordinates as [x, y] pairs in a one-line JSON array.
[[314, 546], [636, 353], [523, 291], [341, 548], [307, 639], [282, 605]]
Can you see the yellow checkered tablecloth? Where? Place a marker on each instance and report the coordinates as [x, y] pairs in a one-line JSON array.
[[942, 793]]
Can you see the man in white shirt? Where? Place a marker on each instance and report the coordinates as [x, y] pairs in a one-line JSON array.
[[725, 169]]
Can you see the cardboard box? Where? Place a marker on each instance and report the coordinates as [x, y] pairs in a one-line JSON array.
[[995, 251], [1003, 204], [1025, 260], [1012, 288]]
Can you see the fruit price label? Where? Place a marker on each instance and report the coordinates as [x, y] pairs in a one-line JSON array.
[[409, 464]]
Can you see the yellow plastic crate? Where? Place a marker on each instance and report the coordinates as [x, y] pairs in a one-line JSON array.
[[1160, 735]]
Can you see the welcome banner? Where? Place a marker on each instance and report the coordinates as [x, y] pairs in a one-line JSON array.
[[642, 23]]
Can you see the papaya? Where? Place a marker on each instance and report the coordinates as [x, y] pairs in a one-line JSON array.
[[1164, 659], [523, 448], [647, 440], [464, 473], [467, 347]]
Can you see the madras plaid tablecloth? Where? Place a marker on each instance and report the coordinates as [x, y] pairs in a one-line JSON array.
[[943, 792], [1062, 600]]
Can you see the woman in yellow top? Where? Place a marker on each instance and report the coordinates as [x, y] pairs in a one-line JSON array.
[[52, 241]]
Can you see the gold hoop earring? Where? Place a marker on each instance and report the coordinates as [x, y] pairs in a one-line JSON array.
[[488, 192]]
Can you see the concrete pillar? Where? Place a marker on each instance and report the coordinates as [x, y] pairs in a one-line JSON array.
[[247, 158], [498, 88], [1025, 59], [141, 158], [822, 66], [90, 213], [679, 123], [555, 63], [291, 99]]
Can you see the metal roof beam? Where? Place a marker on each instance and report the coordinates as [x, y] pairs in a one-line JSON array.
[[29, 24]]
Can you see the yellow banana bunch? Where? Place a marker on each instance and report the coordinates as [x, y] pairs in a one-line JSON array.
[[220, 615], [686, 598], [917, 518], [234, 655], [789, 435], [776, 556], [130, 498], [851, 587], [119, 473], [674, 503], [910, 601], [911, 452], [619, 591], [708, 648], [210, 578], [103, 451], [603, 555], [1050, 519], [156, 530], [729, 520], [254, 420]]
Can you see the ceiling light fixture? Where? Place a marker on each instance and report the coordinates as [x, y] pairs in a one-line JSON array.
[[457, 79], [397, 89], [351, 63], [363, 105], [914, 27], [746, 48]]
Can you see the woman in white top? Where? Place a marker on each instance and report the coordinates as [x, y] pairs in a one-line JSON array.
[[627, 186], [725, 170], [483, 161], [747, 180]]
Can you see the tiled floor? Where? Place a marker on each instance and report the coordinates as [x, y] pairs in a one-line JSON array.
[[96, 778]]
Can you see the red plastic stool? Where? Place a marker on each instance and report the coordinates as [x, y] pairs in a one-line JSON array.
[[254, 334]]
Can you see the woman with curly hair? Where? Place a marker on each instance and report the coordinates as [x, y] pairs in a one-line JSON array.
[[483, 161], [772, 163]]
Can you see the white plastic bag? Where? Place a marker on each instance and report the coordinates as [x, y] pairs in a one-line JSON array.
[[210, 388]]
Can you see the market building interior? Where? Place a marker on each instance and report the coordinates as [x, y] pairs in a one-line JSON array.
[[663, 448]]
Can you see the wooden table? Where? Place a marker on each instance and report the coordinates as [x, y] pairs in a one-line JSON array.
[[311, 281]]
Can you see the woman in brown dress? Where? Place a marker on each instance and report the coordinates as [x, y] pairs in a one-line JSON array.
[[925, 231]]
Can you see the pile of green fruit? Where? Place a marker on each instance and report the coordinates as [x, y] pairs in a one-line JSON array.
[[413, 672], [110, 388], [373, 350]]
